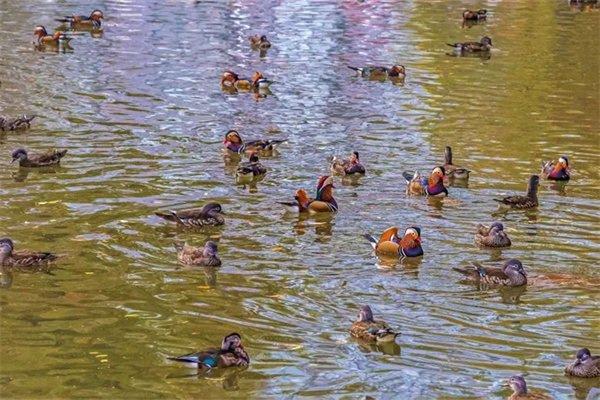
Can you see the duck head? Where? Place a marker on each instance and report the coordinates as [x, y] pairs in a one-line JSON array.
[[482, 13], [496, 227], [437, 175], [19, 154], [96, 15], [563, 163], [40, 31], [582, 356], [210, 249], [365, 314], [397, 70], [514, 266], [517, 384], [264, 42], [231, 342], [6, 246], [486, 41], [232, 137], [253, 157], [211, 208]]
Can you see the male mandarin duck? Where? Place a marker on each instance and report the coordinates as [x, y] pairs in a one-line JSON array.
[[259, 42], [81, 21], [233, 143], [199, 256], [22, 259], [584, 366], [492, 236], [478, 15], [231, 354], [389, 244], [324, 202], [396, 71], [432, 186], [47, 159], [349, 166], [300, 203], [15, 124], [519, 386], [230, 79], [473, 47], [56, 39], [250, 170], [511, 274], [530, 200], [210, 214], [556, 171], [367, 329], [452, 170]]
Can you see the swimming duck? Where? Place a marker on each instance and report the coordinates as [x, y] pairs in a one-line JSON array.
[[452, 170], [21, 259], [349, 166], [259, 42], [199, 256], [300, 203], [233, 143], [492, 236], [324, 202], [558, 171], [230, 79], [391, 245], [47, 159], [511, 274], [231, 354], [519, 386], [396, 71], [81, 21], [56, 39], [210, 214], [16, 124], [473, 47], [367, 329], [251, 170], [584, 366], [530, 199], [434, 186], [478, 15]]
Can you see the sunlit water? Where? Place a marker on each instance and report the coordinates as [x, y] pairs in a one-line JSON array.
[[142, 115]]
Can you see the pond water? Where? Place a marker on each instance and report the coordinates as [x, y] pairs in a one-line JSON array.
[[142, 115]]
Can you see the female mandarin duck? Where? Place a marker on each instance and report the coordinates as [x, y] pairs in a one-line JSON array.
[[234, 144], [373, 72], [511, 274], [478, 15], [530, 200], [584, 366], [453, 170], [492, 236], [389, 244], [15, 124], [484, 45], [367, 329], [94, 21], [22, 259], [210, 214], [300, 203], [556, 171], [230, 79], [349, 166], [519, 386], [47, 159], [199, 256], [250, 170], [434, 186], [56, 39], [259, 42], [231, 354]]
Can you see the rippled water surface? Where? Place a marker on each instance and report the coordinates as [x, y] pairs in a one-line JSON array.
[[142, 115]]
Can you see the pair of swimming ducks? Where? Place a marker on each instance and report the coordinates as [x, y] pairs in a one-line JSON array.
[[73, 22]]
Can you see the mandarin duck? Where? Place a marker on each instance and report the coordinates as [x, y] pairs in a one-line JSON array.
[[389, 244], [230, 79], [473, 47], [556, 171], [530, 200], [198, 256], [210, 214], [478, 15], [231, 354], [94, 21], [492, 236], [259, 42], [519, 386], [16, 124], [47, 159], [432, 186], [452, 170], [367, 329], [300, 203], [24, 258], [348, 166], [250, 170], [584, 366], [235, 145], [378, 72], [56, 39], [511, 274]]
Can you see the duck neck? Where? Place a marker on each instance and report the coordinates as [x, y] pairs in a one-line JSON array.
[[448, 155]]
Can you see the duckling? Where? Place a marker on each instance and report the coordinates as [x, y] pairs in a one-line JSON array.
[[231, 354], [234, 144], [492, 236], [56, 39], [558, 171], [367, 329], [452, 170], [22, 259], [378, 72], [389, 244], [210, 214], [530, 200], [47, 159], [432, 186], [81, 21], [478, 15], [519, 386], [324, 202], [20, 123], [473, 47], [250, 170], [300, 203], [584, 366], [259, 42], [349, 166], [511, 274], [198, 256]]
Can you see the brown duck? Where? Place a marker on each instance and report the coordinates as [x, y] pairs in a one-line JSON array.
[[530, 200], [231, 354], [210, 214], [22, 259], [367, 329], [484, 45], [16, 124], [347, 166], [519, 386], [511, 274], [259, 42], [199, 256], [492, 236], [47, 159], [584, 366], [478, 15]]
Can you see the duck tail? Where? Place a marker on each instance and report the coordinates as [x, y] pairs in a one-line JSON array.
[[354, 68], [371, 239], [465, 271], [169, 216], [499, 200], [408, 176], [63, 20], [450, 44]]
